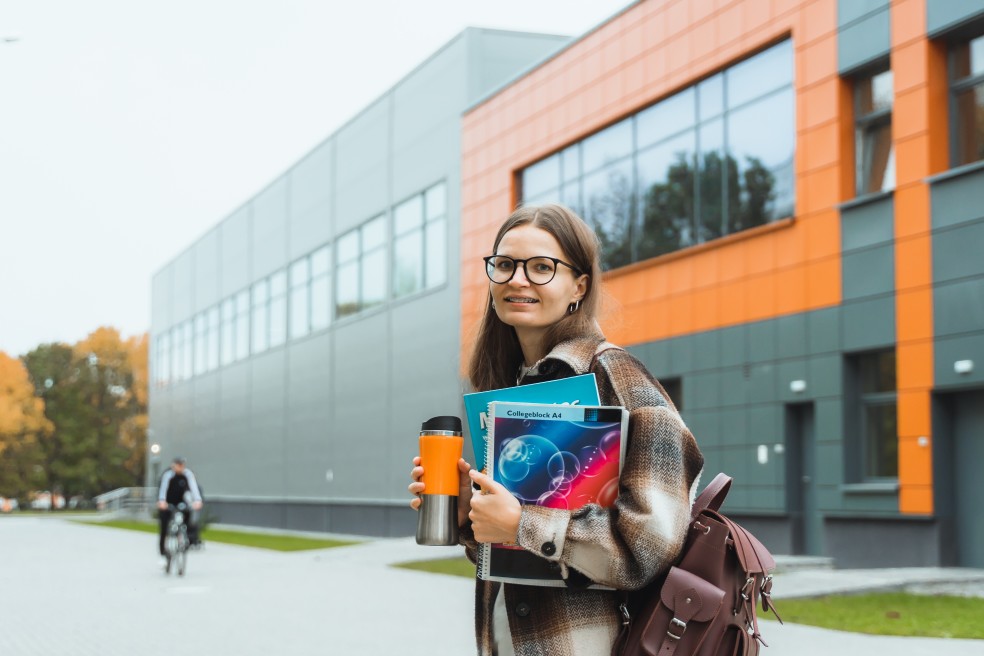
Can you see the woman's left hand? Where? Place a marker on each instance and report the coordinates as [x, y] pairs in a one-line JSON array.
[[495, 513]]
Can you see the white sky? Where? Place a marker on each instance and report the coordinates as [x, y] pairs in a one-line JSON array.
[[128, 128]]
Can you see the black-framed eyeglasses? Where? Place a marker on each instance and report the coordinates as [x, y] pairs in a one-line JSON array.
[[539, 270]]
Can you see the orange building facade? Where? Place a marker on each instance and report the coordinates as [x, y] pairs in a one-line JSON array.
[[822, 340]]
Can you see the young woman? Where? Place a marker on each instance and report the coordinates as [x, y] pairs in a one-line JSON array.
[[540, 324]]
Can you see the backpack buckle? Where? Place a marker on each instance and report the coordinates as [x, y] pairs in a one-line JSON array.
[[676, 623]]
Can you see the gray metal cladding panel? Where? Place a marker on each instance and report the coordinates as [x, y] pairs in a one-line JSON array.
[[868, 324], [880, 503], [182, 282], [208, 259], [702, 391], [948, 350], [267, 392], [863, 41], [788, 371], [734, 388], [957, 200], [762, 341], [733, 345], [864, 542], [363, 145], [829, 469], [234, 388], [762, 383], [706, 351], [958, 252], [310, 181], [824, 376], [681, 359], [849, 11], [306, 517], [269, 233], [496, 57], [160, 301], [705, 426], [309, 444], [235, 248], [765, 423], [429, 159], [310, 202], [401, 521], [943, 14], [434, 95], [792, 336], [868, 273], [206, 399], [829, 418], [361, 400], [362, 199], [359, 520], [958, 307], [823, 330], [870, 224], [655, 355], [733, 427]]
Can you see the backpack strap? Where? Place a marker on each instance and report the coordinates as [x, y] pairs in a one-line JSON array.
[[713, 495]]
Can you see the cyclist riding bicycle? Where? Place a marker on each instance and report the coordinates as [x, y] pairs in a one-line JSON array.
[[177, 483]]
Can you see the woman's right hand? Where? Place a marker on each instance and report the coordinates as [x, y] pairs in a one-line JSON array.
[[464, 488]]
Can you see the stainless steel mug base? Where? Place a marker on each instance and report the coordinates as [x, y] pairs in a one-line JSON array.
[[437, 523]]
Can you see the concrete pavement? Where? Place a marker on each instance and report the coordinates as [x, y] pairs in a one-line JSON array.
[[67, 588]]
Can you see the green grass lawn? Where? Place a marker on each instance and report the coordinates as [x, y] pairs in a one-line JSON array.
[[242, 538], [897, 613], [453, 566], [881, 614]]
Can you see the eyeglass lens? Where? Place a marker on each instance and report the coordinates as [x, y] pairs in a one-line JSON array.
[[538, 270]]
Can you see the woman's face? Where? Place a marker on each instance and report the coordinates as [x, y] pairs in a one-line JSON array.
[[533, 308]]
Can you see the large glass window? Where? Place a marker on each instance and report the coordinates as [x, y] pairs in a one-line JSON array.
[[242, 324], [300, 278], [361, 272], [420, 242], [874, 150], [228, 331], [278, 308], [187, 352], [967, 67], [874, 416], [163, 373], [711, 160], [201, 343], [212, 339], [260, 296], [320, 288]]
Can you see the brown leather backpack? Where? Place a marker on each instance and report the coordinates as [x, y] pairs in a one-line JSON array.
[[706, 604]]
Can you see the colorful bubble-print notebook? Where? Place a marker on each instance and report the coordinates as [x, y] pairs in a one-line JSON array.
[[555, 456]]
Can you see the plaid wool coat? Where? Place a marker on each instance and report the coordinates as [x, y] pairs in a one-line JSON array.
[[624, 546]]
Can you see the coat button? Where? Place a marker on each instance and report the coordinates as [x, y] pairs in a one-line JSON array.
[[523, 609], [548, 548]]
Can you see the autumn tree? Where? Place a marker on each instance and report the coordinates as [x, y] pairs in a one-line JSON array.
[[96, 398], [22, 428]]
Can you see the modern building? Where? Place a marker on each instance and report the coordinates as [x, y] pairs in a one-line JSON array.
[[300, 342], [790, 198]]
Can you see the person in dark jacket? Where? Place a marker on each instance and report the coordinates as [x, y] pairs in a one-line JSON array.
[[178, 485], [540, 323]]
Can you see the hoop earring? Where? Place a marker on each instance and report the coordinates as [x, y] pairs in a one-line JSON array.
[[574, 307]]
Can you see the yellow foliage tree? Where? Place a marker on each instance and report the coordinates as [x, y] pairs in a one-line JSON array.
[[22, 426]]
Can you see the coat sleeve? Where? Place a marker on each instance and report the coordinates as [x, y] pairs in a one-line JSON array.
[[627, 545]]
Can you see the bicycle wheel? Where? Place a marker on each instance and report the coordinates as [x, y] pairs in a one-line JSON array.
[[170, 549], [181, 555]]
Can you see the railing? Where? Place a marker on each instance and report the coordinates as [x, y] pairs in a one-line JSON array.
[[135, 501]]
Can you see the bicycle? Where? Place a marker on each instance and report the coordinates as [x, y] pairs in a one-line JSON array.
[[176, 541]]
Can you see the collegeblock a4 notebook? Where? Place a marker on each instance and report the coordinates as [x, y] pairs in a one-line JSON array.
[[556, 456], [576, 390]]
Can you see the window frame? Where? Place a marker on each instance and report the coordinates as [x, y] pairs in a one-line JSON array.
[[868, 123], [857, 403], [954, 88]]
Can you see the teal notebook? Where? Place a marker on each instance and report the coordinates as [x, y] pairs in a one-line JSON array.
[[576, 390]]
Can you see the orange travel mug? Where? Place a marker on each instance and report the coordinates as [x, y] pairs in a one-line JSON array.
[[440, 448]]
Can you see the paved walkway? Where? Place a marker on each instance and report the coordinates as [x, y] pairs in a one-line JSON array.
[[67, 588]]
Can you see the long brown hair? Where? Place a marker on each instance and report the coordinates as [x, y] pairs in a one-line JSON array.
[[496, 356]]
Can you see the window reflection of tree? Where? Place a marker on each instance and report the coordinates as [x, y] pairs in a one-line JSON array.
[[670, 213], [609, 213]]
